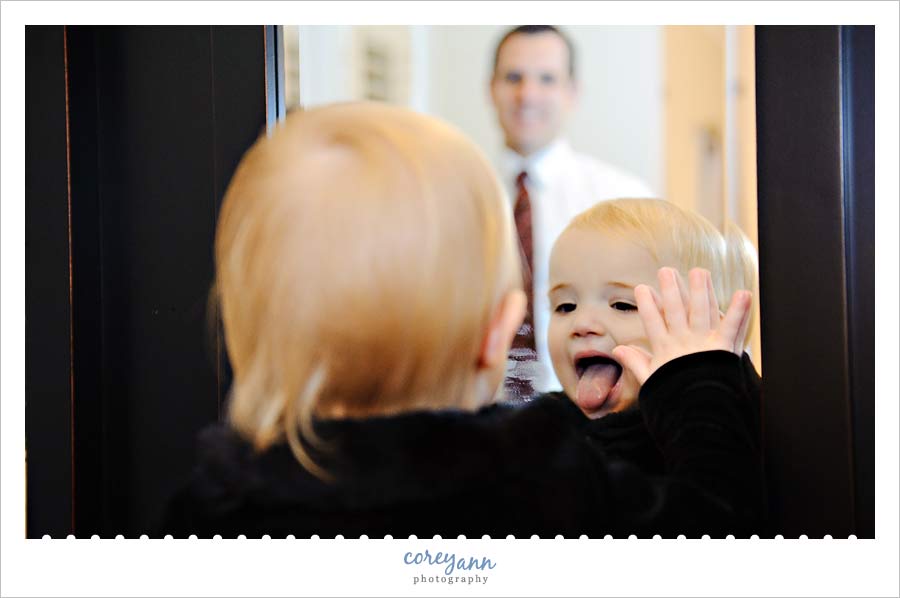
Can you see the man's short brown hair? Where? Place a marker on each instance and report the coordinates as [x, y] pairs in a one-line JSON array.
[[534, 30]]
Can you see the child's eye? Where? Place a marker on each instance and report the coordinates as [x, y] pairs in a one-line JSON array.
[[623, 306], [564, 308]]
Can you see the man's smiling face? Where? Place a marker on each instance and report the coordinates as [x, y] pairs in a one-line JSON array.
[[532, 90]]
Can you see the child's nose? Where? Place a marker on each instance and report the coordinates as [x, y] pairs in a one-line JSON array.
[[588, 323], [527, 89]]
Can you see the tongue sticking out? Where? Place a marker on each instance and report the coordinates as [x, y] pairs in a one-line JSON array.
[[595, 384]]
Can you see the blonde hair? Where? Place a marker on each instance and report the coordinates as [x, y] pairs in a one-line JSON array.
[[360, 252], [669, 232]]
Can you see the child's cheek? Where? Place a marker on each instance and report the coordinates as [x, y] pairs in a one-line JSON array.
[[626, 404], [638, 340]]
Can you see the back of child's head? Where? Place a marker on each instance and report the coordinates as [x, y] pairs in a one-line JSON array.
[[671, 233], [360, 252]]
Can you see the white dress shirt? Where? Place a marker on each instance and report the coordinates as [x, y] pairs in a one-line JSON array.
[[561, 183]]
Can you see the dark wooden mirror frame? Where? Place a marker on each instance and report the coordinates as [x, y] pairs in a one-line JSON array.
[[816, 171]]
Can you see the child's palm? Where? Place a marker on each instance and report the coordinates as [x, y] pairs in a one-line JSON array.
[[683, 321]]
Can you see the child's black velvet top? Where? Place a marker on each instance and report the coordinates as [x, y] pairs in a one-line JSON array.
[[624, 435], [523, 470]]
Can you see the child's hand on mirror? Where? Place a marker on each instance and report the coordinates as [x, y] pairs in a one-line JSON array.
[[684, 319]]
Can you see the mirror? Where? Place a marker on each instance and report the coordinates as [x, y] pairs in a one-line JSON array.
[[672, 105]]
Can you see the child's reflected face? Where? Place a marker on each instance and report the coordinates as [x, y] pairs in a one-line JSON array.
[[592, 280]]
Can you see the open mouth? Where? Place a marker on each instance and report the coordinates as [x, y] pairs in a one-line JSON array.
[[597, 377]]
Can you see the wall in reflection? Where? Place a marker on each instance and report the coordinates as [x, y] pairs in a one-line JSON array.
[[445, 71]]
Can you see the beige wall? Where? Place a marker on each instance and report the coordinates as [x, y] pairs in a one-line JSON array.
[[746, 130], [710, 128], [695, 117]]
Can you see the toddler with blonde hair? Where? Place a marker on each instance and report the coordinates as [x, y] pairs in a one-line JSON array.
[[369, 284], [597, 339]]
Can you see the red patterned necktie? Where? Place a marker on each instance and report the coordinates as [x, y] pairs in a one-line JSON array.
[[523, 356], [522, 214]]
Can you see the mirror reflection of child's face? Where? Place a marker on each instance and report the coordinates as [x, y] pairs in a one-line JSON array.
[[593, 309]]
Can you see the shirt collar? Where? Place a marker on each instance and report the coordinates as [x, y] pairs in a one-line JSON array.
[[541, 166]]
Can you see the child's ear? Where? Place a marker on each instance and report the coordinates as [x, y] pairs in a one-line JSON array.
[[502, 329]]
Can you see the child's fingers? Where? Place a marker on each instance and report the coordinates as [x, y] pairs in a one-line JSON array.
[[741, 340], [673, 300], [658, 300], [682, 287], [649, 311], [714, 314], [698, 317], [730, 327], [635, 360]]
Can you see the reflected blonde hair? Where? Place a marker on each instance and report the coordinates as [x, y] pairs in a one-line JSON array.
[[360, 252], [671, 233]]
